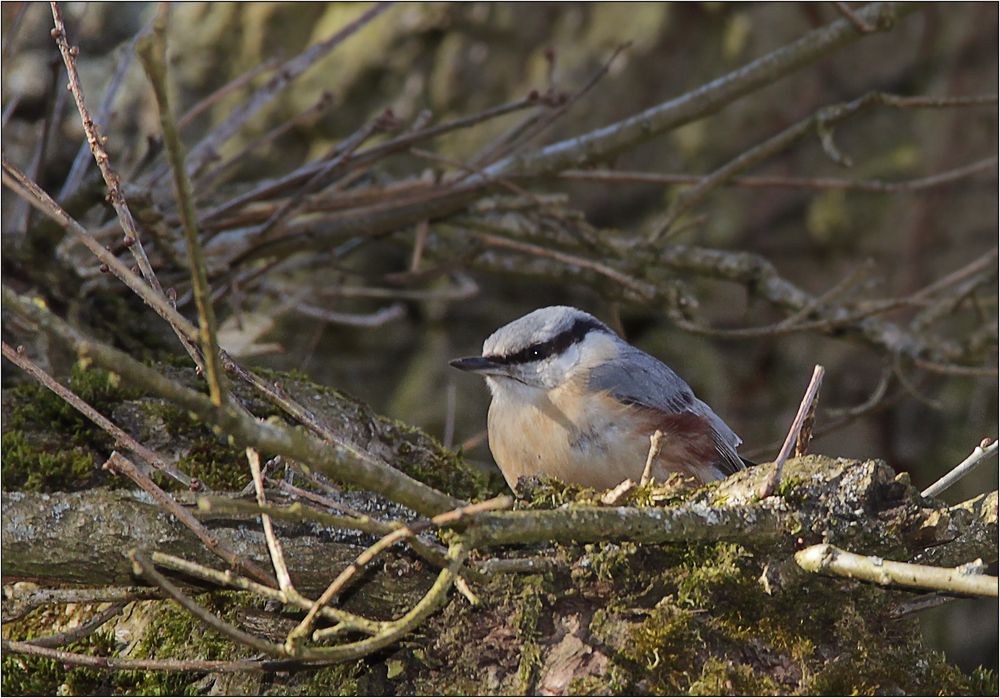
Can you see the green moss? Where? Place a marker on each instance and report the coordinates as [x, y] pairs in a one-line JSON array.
[[210, 457], [542, 492], [47, 444], [664, 647], [38, 676], [403, 446], [348, 679], [172, 633], [45, 467], [35, 407], [422, 457], [525, 623], [727, 678]]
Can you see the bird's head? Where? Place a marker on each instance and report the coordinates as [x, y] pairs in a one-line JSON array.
[[542, 350]]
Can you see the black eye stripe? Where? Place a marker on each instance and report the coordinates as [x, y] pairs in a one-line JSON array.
[[556, 345]]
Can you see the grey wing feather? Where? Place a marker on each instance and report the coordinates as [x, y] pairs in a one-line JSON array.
[[636, 377]]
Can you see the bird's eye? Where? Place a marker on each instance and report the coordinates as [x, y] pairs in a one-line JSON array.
[[535, 352]]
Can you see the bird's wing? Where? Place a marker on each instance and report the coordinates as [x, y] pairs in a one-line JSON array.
[[635, 377]]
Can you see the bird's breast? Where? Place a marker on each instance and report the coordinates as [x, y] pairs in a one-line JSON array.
[[582, 438]]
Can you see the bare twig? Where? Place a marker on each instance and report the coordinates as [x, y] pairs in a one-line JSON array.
[[236, 83], [8, 111], [365, 157], [340, 154], [124, 664], [821, 121], [863, 26], [143, 566], [806, 408], [983, 451], [23, 603], [79, 166], [538, 126], [304, 629], [776, 182], [152, 50], [956, 369], [212, 176], [829, 559], [10, 36], [55, 99], [205, 150], [82, 630], [234, 581], [642, 288], [609, 140], [97, 141], [120, 464], [122, 438], [655, 444], [273, 544], [380, 317]]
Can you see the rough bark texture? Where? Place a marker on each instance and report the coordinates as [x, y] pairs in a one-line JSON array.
[[606, 616]]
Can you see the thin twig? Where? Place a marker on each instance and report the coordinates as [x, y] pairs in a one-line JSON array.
[[211, 177], [340, 154], [55, 99], [655, 444], [304, 629], [273, 544], [708, 99], [82, 630], [144, 567], [956, 369], [829, 559], [921, 603], [435, 597], [365, 157], [380, 317], [236, 83], [235, 581], [983, 451], [120, 464], [806, 408], [97, 141], [539, 126], [125, 664], [878, 186], [152, 51], [122, 438], [79, 166], [22, 603], [821, 121], [10, 36], [8, 111], [863, 26], [205, 150], [642, 288]]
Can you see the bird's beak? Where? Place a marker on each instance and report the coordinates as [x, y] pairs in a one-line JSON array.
[[475, 364]]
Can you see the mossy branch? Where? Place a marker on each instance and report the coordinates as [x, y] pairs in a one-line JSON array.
[[245, 429]]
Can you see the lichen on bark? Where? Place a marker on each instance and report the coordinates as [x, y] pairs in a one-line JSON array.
[[604, 616]]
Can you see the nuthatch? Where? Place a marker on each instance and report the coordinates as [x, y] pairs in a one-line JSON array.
[[574, 401]]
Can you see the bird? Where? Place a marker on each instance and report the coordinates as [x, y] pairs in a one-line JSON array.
[[572, 400]]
